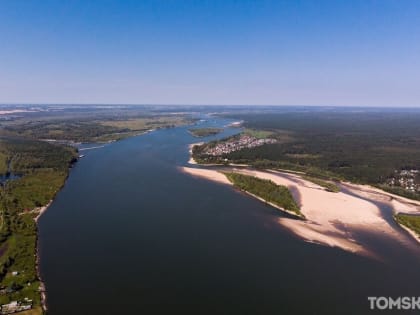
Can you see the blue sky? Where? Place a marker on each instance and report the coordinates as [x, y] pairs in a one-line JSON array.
[[364, 53]]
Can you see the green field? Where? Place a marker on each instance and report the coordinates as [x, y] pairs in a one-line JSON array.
[[265, 189]]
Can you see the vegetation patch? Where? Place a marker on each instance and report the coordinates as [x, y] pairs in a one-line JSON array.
[[410, 221], [329, 186], [267, 190], [92, 130], [205, 132], [259, 134]]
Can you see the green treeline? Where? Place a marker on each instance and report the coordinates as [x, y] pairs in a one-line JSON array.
[[43, 168], [265, 189], [363, 147]]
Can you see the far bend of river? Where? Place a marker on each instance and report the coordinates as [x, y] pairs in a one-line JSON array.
[[130, 234]]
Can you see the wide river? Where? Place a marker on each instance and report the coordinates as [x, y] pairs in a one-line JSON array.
[[130, 234]]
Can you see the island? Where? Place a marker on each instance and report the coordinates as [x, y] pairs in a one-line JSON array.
[[266, 190], [204, 132]]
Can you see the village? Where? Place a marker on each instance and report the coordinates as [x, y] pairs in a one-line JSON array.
[[236, 144], [407, 179], [16, 306]]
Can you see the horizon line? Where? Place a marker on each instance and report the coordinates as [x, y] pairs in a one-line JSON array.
[[210, 105]]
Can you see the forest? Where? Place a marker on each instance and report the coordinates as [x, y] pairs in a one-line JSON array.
[[356, 145]]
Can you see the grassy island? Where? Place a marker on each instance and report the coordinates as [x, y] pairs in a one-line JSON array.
[[329, 186], [205, 132], [267, 190], [412, 222]]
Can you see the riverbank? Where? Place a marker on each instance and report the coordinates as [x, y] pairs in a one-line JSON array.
[[42, 289], [409, 231], [333, 219], [190, 149], [40, 211]]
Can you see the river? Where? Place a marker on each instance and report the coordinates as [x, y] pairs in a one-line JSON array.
[[130, 234]]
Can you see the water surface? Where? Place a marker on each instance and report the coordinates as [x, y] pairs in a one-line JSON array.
[[130, 234]]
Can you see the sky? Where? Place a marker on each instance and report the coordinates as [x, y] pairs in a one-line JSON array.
[[341, 53]]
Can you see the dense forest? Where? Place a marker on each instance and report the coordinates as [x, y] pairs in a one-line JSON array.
[[361, 146], [42, 170]]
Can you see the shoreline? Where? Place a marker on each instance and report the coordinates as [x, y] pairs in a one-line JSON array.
[[42, 288], [409, 231], [40, 212], [271, 204], [223, 179], [194, 162], [42, 209], [332, 219], [190, 149]]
